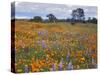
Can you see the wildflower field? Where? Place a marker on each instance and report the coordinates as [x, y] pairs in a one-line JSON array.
[[41, 47]]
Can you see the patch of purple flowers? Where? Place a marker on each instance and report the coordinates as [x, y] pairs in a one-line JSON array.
[[43, 43], [61, 65], [70, 66], [26, 69], [53, 67]]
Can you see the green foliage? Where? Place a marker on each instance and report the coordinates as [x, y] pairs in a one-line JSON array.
[[37, 19]]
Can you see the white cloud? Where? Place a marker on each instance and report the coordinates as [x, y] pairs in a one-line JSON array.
[[22, 17]]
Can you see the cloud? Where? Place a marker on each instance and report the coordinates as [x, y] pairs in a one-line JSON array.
[[22, 17]]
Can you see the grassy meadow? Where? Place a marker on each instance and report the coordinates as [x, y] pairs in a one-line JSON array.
[[41, 47]]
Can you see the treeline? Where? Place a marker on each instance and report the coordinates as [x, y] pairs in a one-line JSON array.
[[40, 19]]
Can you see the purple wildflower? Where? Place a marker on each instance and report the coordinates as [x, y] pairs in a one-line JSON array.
[[53, 67], [26, 69], [40, 33], [43, 44], [70, 66], [68, 56], [61, 65]]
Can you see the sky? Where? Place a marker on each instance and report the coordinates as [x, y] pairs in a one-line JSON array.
[[27, 10]]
